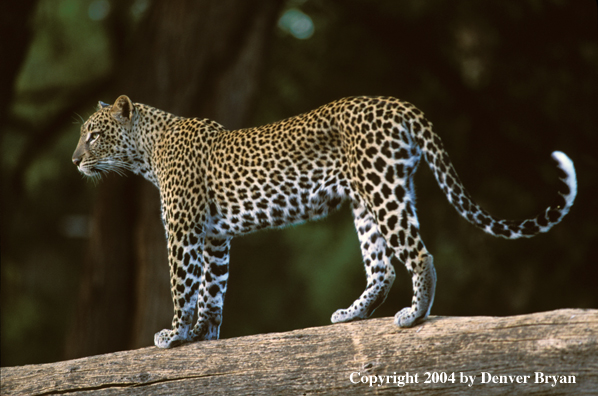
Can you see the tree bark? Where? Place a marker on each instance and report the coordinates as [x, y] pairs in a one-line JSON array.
[[191, 58], [336, 359]]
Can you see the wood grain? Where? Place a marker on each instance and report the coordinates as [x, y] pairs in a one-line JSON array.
[[321, 360]]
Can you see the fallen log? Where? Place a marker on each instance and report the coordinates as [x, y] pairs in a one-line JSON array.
[[552, 352]]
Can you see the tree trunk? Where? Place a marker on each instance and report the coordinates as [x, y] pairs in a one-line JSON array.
[[153, 308], [106, 294], [509, 355], [191, 58], [15, 37]]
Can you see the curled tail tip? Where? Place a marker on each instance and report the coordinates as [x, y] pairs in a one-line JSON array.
[[564, 161], [552, 215], [569, 177]]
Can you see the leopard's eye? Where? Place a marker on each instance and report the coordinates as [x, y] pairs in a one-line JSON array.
[[93, 136]]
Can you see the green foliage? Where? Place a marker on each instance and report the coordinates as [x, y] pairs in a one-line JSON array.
[[40, 187], [68, 49]]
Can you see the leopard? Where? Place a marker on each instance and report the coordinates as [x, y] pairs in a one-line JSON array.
[[216, 184]]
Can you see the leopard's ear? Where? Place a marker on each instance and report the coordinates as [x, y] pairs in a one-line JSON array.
[[101, 105], [122, 109]]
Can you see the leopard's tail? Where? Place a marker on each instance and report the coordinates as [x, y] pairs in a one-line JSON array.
[[458, 196]]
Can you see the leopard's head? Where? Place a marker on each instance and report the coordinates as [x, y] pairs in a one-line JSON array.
[[106, 143]]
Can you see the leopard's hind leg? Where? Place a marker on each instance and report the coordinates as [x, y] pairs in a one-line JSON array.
[[400, 229], [384, 210], [379, 270], [420, 265]]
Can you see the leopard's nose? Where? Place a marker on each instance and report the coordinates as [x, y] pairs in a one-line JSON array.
[[76, 161]]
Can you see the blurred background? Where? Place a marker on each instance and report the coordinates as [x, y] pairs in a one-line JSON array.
[[84, 267]]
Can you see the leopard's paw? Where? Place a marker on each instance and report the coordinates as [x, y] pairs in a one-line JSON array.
[[346, 315], [407, 317], [168, 339]]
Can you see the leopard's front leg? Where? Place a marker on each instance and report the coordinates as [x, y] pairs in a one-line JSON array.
[[186, 273], [212, 289]]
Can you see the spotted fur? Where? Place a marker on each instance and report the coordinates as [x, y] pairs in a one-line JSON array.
[[215, 184]]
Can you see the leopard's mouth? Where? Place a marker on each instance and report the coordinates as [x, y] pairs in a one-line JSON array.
[[89, 171]]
